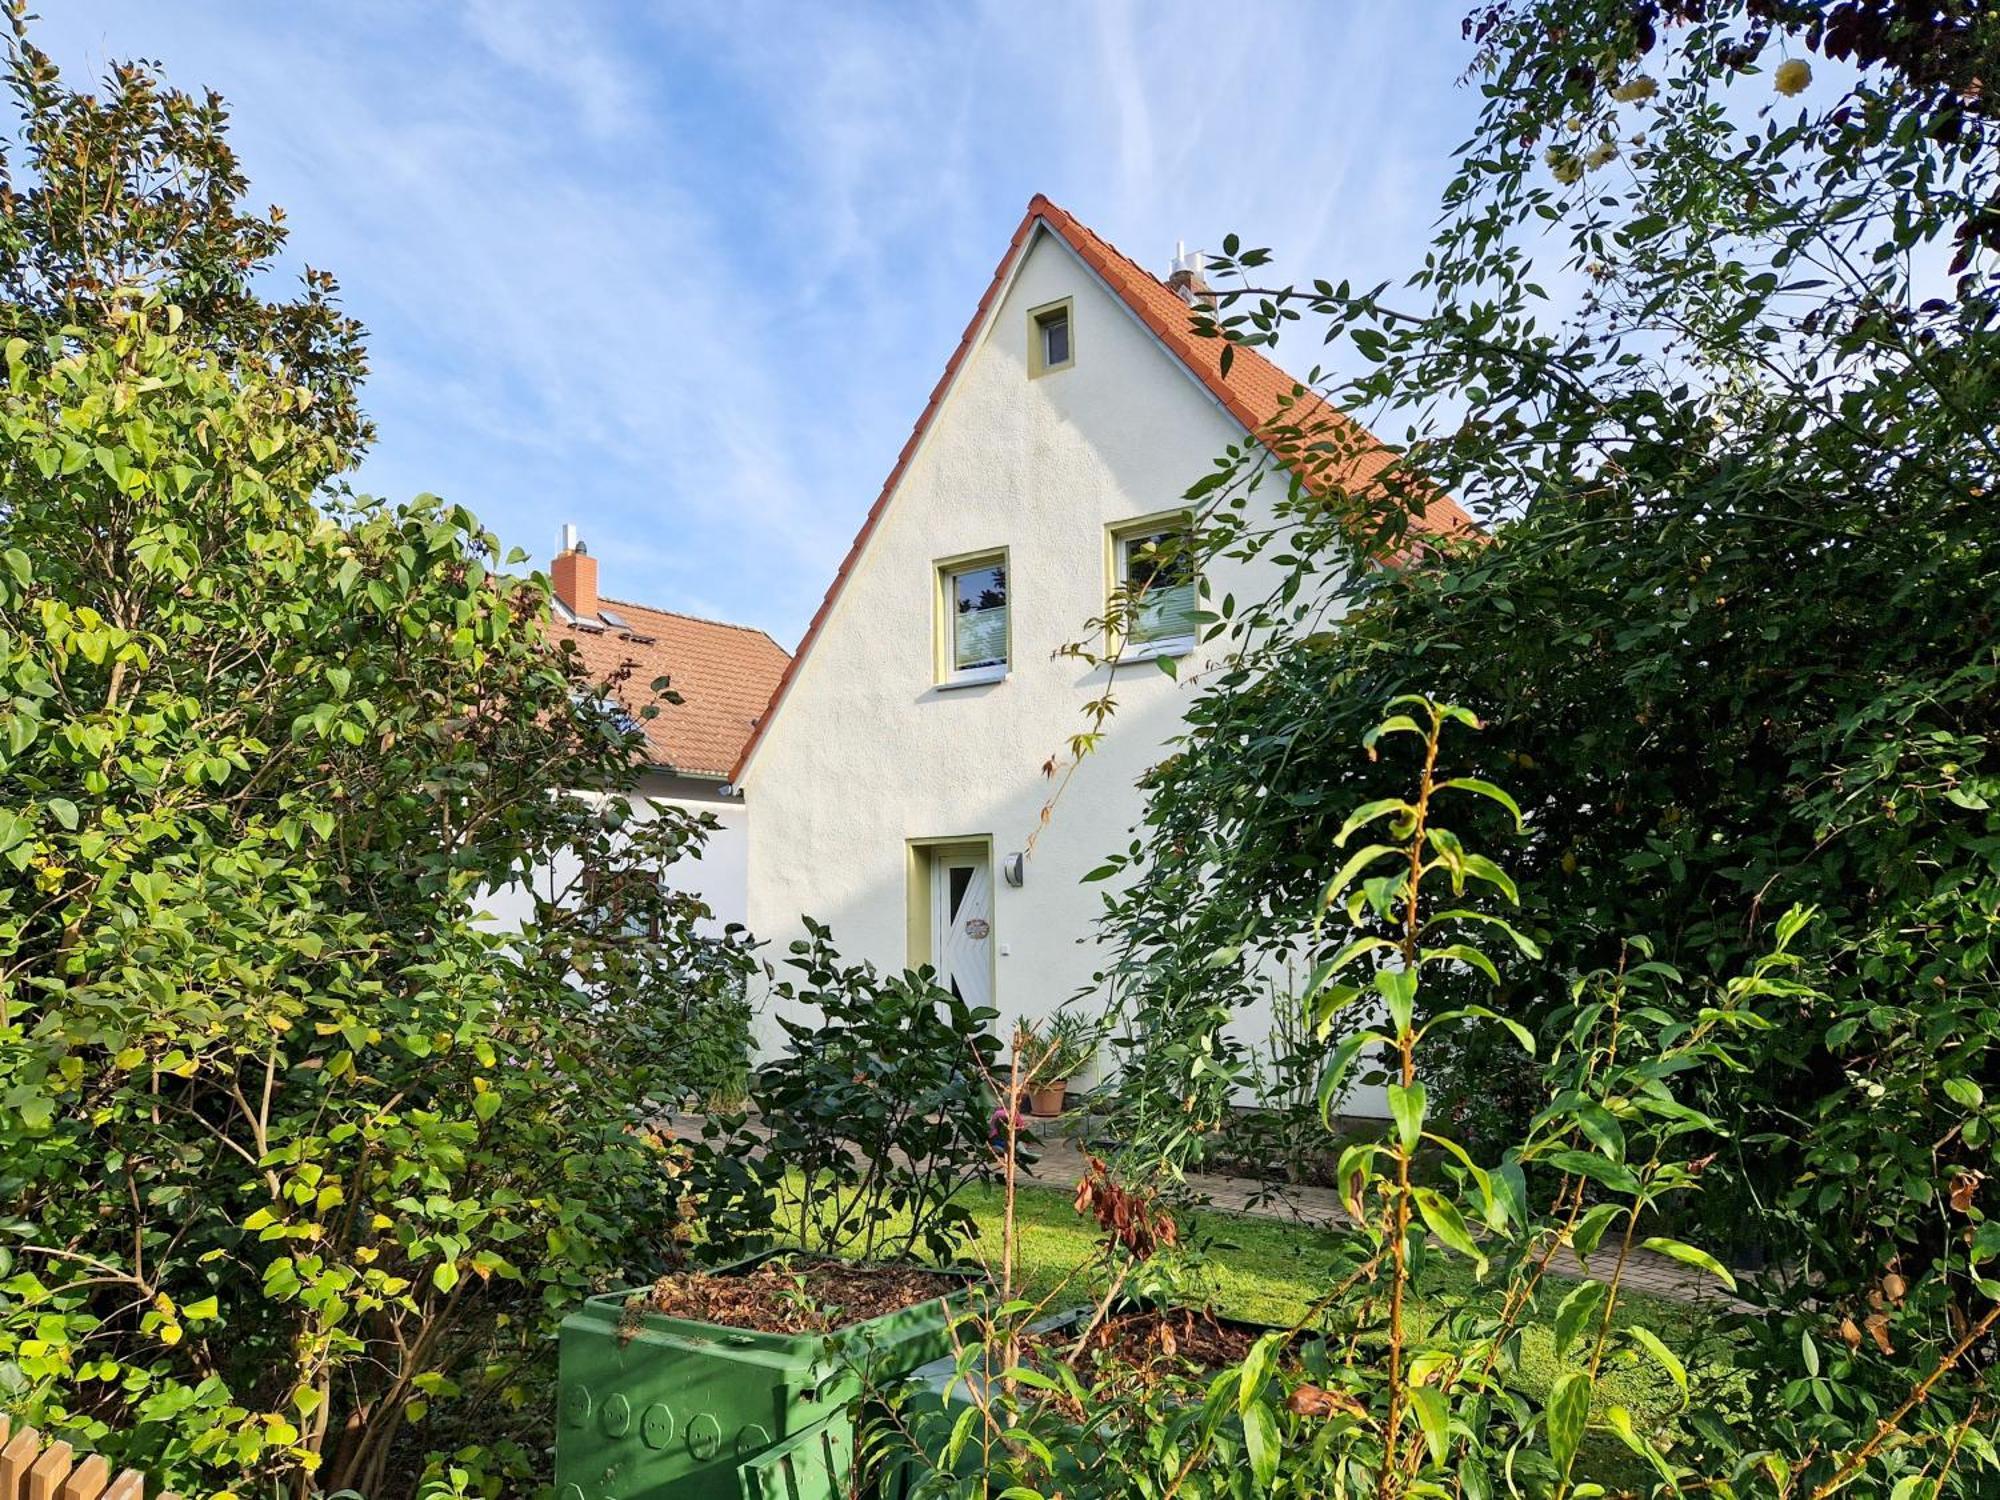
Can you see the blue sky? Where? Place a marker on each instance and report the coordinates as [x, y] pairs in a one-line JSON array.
[[684, 273]]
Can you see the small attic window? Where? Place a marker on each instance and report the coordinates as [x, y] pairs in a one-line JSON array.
[[1054, 328], [1051, 338]]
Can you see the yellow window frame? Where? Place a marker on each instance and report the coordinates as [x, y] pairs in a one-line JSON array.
[[1038, 319]]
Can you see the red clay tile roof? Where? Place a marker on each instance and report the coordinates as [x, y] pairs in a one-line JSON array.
[[726, 675], [1255, 392]]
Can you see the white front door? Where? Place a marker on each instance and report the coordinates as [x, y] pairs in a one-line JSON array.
[[962, 922]]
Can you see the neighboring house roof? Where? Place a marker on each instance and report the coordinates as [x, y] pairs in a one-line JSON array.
[[725, 675], [1255, 392]]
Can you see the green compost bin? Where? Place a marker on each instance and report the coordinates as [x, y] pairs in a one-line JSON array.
[[651, 1407]]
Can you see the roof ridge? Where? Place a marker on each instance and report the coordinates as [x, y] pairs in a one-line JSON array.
[[681, 614], [1110, 245]]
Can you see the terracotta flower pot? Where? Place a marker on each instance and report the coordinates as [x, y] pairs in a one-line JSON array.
[[1047, 1101]]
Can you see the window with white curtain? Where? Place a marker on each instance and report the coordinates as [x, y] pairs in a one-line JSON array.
[[1156, 573], [975, 622]]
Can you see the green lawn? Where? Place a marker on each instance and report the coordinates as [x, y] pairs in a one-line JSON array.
[[1271, 1271], [1266, 1270]]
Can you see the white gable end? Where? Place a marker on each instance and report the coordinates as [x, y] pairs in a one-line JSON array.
[[868, 763], [996, 421]]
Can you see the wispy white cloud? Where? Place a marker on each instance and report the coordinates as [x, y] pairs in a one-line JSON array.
[[684, 273], [560, 48]]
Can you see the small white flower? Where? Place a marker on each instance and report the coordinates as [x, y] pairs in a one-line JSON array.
[[1633, 90]]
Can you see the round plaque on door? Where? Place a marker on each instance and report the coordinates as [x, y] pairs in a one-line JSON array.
[[977, 927]]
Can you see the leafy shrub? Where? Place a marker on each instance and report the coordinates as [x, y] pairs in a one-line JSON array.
[[1359, 1398], [635, 933], [879, 1106], [300, 1160]]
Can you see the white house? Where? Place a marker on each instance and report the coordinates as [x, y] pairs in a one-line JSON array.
[[724, 675], [898, 775]]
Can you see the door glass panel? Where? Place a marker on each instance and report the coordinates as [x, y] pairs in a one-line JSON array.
[[960, 877]]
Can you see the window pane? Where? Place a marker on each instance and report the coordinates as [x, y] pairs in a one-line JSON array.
[[1160, 585], [1055, 340], [1164, 613], [1158, 558], [979, 618]]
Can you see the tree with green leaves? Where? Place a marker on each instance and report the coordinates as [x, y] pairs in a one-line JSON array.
[[300, 1159], [138, 186], [1730, 626]]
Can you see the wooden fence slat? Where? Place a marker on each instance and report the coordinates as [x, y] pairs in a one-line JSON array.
[[50, 1470], [87, 1480], [15, 1461], [31, 1471]]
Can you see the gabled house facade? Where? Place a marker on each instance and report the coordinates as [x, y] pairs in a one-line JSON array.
[[724, 676], [897, 778]]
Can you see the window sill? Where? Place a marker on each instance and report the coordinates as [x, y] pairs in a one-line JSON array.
[[1173, 645], [973, 677]]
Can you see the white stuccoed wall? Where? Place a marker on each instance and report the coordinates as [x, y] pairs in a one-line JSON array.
[[720, 876], [865, 753]]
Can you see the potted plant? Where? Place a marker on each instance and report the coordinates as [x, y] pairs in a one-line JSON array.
[[1046, 1059]]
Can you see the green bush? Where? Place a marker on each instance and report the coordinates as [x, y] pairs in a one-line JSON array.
[[1361, 1394], [300, 1160], [879, 1103]]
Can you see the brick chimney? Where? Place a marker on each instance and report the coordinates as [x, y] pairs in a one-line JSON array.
[[574, 574], [1185, 279]]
